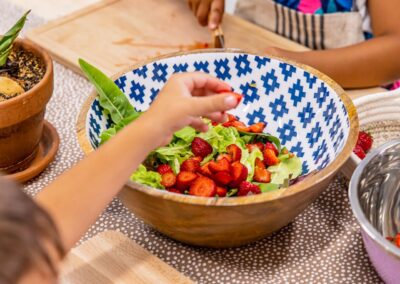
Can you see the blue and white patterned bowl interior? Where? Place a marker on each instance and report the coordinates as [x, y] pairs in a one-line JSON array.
[[302, 110]]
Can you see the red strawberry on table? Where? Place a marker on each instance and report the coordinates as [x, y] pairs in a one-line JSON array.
[[190, 165], [359, 151], [164, 168], [235, 152], [203, 186], [246, 188], [270, 158], [221, 191], [222, 178], [365, 140], [239, 173], [168, 179], [185, 179], [222, 165], [201, 147]]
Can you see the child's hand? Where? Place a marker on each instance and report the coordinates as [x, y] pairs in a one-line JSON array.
[[208, 12], [185, 99]]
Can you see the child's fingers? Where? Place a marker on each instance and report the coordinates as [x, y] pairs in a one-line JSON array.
[[203, 106], [198, 124], [196, 81], [202, 12], [217, 116], [216, 12]]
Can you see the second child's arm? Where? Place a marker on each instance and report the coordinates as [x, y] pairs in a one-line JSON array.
[[370, 63], [77, 197]]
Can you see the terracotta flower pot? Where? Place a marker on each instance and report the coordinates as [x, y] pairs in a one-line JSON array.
[[21, 118]]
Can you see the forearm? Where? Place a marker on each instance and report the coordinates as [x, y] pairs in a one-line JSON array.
[[371, 63], [77, 197]]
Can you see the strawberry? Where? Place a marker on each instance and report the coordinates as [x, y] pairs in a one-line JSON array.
[[365, 140], [203, 186], [271, 146], [222, 178], [184, 180], [239, 173], [198, 158], [261, 174], [205, 170], [227, 124], [253, 146], [222, 165], [163, 169], [397, 240], [213, 123], [270, 158], [231, 117], [221, 191], [168, 179], [238, 97], [359, 151], [235, 152], [201, 147], [224, 156], [257, 127], [174, 190], [240, 126], [246, 188], [190, 165]]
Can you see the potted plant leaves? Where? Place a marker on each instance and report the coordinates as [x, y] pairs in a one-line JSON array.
[[26, 85]]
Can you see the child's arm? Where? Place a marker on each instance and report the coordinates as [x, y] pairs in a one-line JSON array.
[[77, 197], [208, 12], [370, 63]]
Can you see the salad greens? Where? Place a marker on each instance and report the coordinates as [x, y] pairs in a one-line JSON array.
[[115, 104]]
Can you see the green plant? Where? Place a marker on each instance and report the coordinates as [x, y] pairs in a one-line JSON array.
[[6, 42]]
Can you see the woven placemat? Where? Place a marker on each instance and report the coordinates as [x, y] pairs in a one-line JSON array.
[[383, 131], [322, 245]]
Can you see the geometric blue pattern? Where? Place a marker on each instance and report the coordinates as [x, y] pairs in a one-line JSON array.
[[297, 92], [242, 65], [278, 107], [300, 109], [250, 94]]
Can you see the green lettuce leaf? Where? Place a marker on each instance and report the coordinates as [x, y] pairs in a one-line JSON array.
[[150, 178], [249, 160], [110, 132], [266, 187], [174, 154], [286, 169], [220, 137], [111, 98], [187, 134]]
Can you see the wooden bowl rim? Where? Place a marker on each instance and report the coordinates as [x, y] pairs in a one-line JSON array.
[[307, 183], [46, 77]]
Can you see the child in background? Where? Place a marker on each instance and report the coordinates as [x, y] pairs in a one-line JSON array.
[[34, 237], [356, 42]]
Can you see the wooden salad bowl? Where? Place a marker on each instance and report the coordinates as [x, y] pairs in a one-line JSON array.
[[227, 222]]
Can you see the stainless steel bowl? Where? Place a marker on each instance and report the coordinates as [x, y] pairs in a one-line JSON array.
[[375, 201]]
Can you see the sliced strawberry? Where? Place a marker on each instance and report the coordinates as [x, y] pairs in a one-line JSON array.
[[239, 173], [238, 97], [246, 188], [213, 123], [231, 117], [203, 186], [240, 126], [184, 180], [271, 146], [190, 165], [221, 191], [198, 158], [253, 146], [225, 156], [201, 147], [262, 175], [222, 165], [168, 179], [359, 151], [270, 158], [365, 140], [235, 152], [397, 240], [257, 127], [205, 170], [222, 178], [174, 190], [227, 124], [164, 168]]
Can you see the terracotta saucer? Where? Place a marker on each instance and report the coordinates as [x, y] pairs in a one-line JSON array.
[[47, 150]]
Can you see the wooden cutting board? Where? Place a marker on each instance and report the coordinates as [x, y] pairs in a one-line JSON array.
[[114, 34], [111, 257]]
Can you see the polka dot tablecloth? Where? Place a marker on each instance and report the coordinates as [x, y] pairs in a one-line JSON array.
[[322, 245]]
